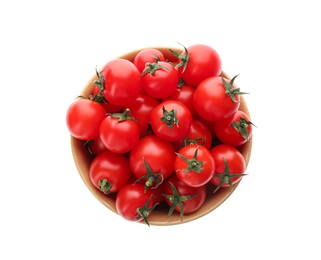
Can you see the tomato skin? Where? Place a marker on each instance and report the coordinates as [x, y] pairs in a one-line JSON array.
[[190, 205], [141, 109], [83, 119], [204, 62], [193, 178], [227, 134], [158, 153], [122, 82], [111, 166], [211, 101], [96, 146], [147, 55], [198, 134], [175, 131], [119, 137], [234, 159], [130, 198], [163, 82], [185, 94]]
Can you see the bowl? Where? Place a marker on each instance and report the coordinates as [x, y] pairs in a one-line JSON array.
[[158, 217]]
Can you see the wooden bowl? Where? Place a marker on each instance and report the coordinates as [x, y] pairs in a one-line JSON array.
[[159, 217]]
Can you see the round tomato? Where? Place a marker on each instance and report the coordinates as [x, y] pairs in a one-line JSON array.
[[181, 197], [152, 158], [197, 134], [235, 130], [198, 62], [119, 132], [229, 166], [122, 82], [95, 146], [171, 120], [194, 165], [147, 55], [83, 119], [141, 109], [216, 98], [109, 172], [160, 79], [185, 94], [133, 203]]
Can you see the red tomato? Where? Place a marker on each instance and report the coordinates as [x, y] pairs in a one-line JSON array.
[[198, 62], [194, 165], [197, 134], [109, 172], [160, 79], [119, 133], [181, 197], [171, 120], [229, 166], [109, 107], [158, 154], [185, 94], [141, 109], [83, 119], [216, 98], [235, 130], [122, 82], [133, 203], [147, 55], [95, 146]]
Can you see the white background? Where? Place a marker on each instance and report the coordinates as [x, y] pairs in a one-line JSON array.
[[48, 52]]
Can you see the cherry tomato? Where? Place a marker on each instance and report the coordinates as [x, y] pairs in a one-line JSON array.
[[181, 197], [152, 158], [185, 94], [147, 55], [171, 120], [235, 130], [109, 107], [141, 109], [133, 203], [122, 82], [160, 79], [119, 132], [197, 134], [229, 166], [198, 62], [109, 172], [83, 119], [216, 98], [194, 165], [95, 146]]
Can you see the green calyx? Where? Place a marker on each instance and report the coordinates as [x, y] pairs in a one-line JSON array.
[[105, 186], [226, 177], [123, 116], [152, 178], [241, 126], [99, 82], [153, 67], [169, 118], [184, 58], [230, 91], [177, 199], [192, 164], [144, 211]]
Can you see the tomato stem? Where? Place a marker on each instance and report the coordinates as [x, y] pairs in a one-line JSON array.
[[183, 57], [153, 67], [177, 199], [226, 177], [105, 186], [230, 91], [169, 118], [144, 211], [241, 126], [192, 164], [123, 116]]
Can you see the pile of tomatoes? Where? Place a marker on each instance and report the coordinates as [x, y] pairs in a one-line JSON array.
[[162, 131]]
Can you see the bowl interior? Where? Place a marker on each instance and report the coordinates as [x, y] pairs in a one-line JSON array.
[[83, 159]]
